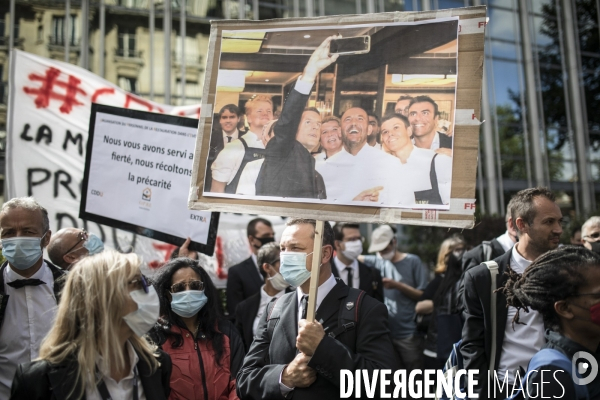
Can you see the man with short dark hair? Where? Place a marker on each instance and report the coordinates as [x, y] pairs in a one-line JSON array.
[[538, 220], [29, 286], [423, 116], [348, 246], [402, 104], [246, 278], [249, 312], [373, 139], [301, 359], [69, 245], [224, 131], [576, 239]]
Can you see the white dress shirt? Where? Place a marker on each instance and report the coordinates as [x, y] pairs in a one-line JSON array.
[[229, 160], [346, 176], [520, 344], [343, 271], [122, 389], [419, 167], [264, 300], [30, 313], [322, 292], [436, 142], [505, 241], [247, 182], [233, 136]]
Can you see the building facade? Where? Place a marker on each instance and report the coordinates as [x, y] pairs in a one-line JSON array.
[[541, 91]]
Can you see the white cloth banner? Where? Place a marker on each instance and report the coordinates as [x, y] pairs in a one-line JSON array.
[[48, 121]]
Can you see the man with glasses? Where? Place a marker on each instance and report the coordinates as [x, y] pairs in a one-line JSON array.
[[29, 286], [348, 246], [590, 234], [69, 245]]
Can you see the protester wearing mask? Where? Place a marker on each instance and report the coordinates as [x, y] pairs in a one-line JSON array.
[[404, 278], [563, 285], [296, 359], [95, 349], [439, 300], [205, 348], [590, 234], [69, 245], [249, 312], [246, 278], [29, 286], [348, 246]]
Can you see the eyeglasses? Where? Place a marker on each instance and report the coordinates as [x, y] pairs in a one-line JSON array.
[[140, 283], [190, 285], [82, 237]]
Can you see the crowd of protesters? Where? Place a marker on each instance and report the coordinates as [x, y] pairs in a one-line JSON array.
[[88, 324]]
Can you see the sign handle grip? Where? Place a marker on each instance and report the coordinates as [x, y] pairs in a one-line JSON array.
[[314, 274]]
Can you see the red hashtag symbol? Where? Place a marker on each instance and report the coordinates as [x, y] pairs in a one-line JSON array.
[[46, 92]]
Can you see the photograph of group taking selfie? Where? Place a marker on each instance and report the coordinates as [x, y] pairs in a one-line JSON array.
[[353, 115]]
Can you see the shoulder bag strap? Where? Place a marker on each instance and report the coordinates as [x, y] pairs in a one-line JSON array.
[[493, 267]]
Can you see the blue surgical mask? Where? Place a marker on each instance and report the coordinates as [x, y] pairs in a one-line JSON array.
[[22, 252], [187, 303], [293, 267], [93, 244]]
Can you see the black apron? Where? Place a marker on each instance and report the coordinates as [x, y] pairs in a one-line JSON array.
[[431, 196], [250, 154]]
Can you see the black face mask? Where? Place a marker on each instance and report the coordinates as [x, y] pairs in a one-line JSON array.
[[264, 240], [595, 247]]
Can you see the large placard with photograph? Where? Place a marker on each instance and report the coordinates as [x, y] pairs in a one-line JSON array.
[[368, 118]]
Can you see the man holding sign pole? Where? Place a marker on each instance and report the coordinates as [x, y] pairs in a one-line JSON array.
[[295, 356]]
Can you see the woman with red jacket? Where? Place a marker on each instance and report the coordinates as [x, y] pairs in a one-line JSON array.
[[205, 348]]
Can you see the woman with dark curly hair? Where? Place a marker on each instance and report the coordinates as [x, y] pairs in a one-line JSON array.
[[205, 348], [563, 285]]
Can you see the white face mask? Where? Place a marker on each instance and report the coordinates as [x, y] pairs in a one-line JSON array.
[[143, 319], [389, 255], [352, 249], [278, 282]]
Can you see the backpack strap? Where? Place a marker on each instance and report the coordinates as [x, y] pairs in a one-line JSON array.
[[493, 268], [348, 314], [487, 250]]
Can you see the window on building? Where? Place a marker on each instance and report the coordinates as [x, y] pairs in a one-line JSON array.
[[58, 30], [128, 84], [126, 42]]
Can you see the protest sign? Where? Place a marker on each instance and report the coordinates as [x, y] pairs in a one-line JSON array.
[[142, 162], [419, 169], [48, 119]]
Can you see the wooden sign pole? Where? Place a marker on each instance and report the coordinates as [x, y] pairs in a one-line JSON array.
[[314, 273]]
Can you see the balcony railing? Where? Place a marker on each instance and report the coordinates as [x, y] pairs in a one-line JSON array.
[[60, 41], [128, 53], [4, 40]]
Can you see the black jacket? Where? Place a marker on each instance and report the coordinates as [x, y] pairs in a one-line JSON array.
[[215, 147], [40, 380], [370, 280], [476, 345], [58, 274], [289, 169], [243, 280], [368, 346], [445, 141]]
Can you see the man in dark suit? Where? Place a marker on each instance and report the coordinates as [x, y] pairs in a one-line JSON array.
[[423, 116], [296, 358], [348, 246], [289, 167], [538, 220], [224, 131], [249, 312], [245, 279]]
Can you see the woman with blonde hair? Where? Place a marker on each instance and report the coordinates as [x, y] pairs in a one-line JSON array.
[[95, 349], [439, 301]]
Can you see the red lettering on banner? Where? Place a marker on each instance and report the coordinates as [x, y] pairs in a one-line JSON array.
[[130, 98], [469, 206], [481, 24], [168, 249], [46, 92], [101, 92], [473, 116], [430, 214]]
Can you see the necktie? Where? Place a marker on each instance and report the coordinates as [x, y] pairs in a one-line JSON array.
[[304, 303], [19, 283], [350, 277], [228, 139]]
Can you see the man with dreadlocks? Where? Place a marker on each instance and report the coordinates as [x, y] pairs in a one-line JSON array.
[[564, 287], [538, 220]]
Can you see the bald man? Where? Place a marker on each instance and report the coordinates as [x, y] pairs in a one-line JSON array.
[[69, 245]]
